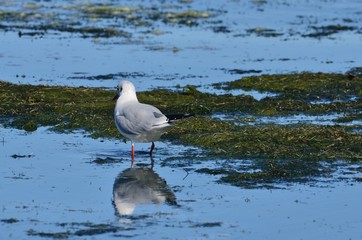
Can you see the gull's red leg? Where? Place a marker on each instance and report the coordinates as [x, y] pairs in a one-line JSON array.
[[132, 150], [132, 154]]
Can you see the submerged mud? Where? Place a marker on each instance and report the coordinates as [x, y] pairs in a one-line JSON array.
[[114, 17], [64, 17]]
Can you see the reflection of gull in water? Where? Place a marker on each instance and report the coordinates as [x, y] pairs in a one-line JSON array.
[[140, 186]]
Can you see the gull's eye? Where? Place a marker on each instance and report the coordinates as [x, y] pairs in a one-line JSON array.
[[119, 88]]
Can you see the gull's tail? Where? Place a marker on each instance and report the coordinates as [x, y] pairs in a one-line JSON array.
[[174, 117]]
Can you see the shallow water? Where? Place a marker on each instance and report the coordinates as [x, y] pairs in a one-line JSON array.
[[198, 55], [62, 191], [324, 120]]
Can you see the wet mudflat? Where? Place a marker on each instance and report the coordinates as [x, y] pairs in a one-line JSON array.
[[274, 152]]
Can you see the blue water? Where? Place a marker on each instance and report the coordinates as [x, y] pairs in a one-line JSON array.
[[60, 189], [59, 58]]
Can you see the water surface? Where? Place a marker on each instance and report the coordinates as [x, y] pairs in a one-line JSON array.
[[63, 191], [263, 36]]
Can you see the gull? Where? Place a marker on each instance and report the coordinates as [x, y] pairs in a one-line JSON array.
[[140, 122]]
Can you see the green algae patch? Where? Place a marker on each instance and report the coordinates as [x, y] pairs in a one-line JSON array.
[[306, 93], [108, 10], [304, 86], [270, 173], [190, 100], [323, 31], [9, 220], [303, 93], [76, 229], [350, 118], [306, 142], [264, 32], [98, 20], [91, 110], [53, 235], [187, 17], [28, 107]]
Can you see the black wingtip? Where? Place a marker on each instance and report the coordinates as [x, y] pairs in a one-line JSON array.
[[173, 117]]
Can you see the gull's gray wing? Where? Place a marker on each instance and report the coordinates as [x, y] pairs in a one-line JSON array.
[[137, 118]]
